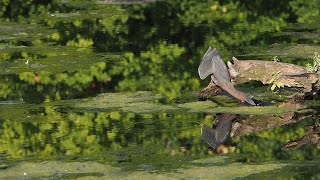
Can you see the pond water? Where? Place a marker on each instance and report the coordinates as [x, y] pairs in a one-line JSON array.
[[109, 89]]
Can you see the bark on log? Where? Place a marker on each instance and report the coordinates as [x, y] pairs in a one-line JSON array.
[[289, 75]]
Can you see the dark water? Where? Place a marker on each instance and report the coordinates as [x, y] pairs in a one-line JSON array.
[[58, 58]]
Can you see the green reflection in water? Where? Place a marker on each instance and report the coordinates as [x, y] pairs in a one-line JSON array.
[[80, 49], [53, 169], [112, 137], [267, 144], [62, 128], [298, 170]]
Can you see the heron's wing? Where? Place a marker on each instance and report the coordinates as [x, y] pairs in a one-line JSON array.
[[219, 68], [223, 126], [205, 67], [209, 135], [222, 78], [216, 136], [213, 64], [209, 50]]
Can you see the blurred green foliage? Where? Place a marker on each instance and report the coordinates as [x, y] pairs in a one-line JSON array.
[[268, 144], [50, 134], [53, 50], [306, 11], [161, 42]]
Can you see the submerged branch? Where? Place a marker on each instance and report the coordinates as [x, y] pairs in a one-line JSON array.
[[257, 123], [312, 136]]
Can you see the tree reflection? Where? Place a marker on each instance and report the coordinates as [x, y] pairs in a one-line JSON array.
[[160, 45]]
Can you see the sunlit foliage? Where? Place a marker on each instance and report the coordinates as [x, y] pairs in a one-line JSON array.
[[52, 51]]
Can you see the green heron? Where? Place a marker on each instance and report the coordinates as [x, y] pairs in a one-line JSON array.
[[213, 65]]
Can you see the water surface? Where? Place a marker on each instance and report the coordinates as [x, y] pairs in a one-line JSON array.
[[108, 90]]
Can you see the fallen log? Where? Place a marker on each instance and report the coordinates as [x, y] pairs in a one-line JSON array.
[[267, 72]]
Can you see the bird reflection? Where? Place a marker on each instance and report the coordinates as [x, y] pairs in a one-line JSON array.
[[219, 132]]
